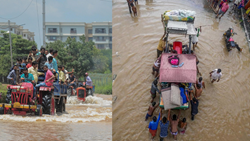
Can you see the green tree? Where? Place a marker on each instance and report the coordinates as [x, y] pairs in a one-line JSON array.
[[74, 55], [20, 49]]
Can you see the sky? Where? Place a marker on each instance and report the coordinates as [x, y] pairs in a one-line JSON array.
[[55, 11]]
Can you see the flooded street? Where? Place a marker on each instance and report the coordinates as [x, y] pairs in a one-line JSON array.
[[224, 108], [89, 120]]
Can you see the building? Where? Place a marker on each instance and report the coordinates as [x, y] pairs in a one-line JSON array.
[[98, 32], [16, 29]]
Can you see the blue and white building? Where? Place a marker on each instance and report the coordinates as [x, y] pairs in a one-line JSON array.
[[98, 32]]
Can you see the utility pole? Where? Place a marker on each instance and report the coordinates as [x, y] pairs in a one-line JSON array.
[[44, 43], [10, 43]]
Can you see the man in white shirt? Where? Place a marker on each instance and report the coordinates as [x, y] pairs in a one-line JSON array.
[[215, 74], [50, 54]]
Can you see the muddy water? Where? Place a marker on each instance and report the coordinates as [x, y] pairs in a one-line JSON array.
[[89, 120], [224, 109]]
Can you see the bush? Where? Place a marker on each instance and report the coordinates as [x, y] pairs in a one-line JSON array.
[[107, 89], [3, 98]]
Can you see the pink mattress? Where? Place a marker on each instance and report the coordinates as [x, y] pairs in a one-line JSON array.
[[185, 74]]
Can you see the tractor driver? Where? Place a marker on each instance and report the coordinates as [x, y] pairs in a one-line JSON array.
[[88, 80], [29, 78]]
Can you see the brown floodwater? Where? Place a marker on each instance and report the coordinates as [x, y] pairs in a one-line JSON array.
[[224, 109], [89, 120]]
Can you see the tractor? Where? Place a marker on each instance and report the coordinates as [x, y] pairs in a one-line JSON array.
[[19, 99], [82, 90]]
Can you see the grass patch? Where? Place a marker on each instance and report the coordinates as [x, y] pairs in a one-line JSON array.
[[105, 89], [3, 90]]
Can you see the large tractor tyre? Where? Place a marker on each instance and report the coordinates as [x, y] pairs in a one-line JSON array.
[[39, 110], [48, 104], [59, 107], [64, 104], [8, 96], [90, 92], [1, 110]]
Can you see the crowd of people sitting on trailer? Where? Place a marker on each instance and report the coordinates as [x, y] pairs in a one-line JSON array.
[[177, 125], [42, 63]]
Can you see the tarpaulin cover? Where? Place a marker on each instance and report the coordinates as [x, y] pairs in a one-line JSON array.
[[185, 74]]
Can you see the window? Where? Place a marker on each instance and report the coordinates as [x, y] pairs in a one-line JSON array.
[[52, 30], [100, 38], [110, 46], [73, 30], [100, 46], [110, 30], [24, 35], [73, 37], [100, 30], [90, 38], [89, 31], [110, 39], [52, 38], [10, 29]]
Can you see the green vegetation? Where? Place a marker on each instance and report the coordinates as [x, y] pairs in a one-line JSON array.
[[20, 49], [3, 90]]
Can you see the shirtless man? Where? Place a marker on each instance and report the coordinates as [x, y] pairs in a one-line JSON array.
[[174, 123], [182, 126], [151, 110], [198, 91]]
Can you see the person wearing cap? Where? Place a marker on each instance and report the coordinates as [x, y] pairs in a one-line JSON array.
[[32, 54], [12, 75], [33, 70], [41, 59], [215, 74], [29, 78], [88, 80]]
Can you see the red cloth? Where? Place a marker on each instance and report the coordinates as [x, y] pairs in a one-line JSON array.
[[28, 65], [153, 132], [49, 74]]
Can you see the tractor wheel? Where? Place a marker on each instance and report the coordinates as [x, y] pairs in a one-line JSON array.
[[48, 104], [8, 96], [59, 107], [90, 92], [1, 110], [39, 110], [63, 105]]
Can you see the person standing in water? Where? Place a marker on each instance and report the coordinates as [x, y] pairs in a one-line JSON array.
[[182, 126], [198, 91], [151, 110], [200, 82], [154, 89], [194, 107], [215, 74], [164, 123], [161, 45], [174, 123], [153, 126], [195, 37]]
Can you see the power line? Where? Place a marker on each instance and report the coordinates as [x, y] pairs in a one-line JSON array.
[[38, 23], [18, 15]]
